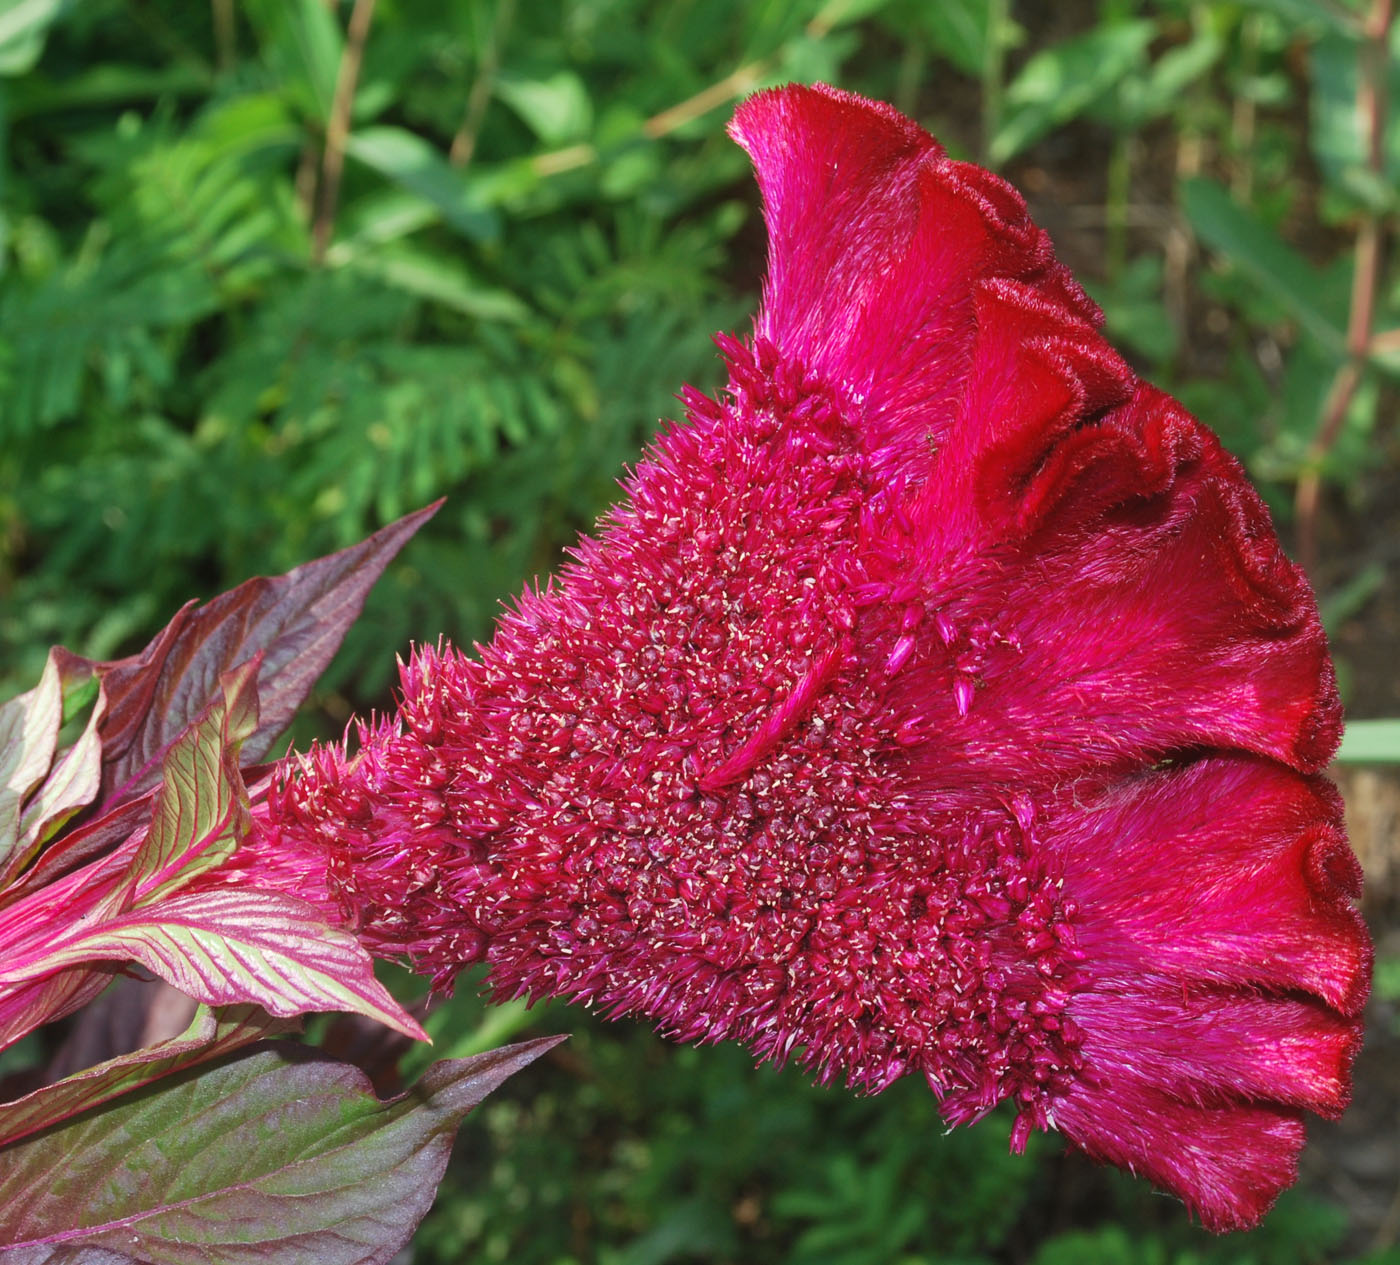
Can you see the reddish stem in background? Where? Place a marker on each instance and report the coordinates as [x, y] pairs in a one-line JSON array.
[[1371, 108]]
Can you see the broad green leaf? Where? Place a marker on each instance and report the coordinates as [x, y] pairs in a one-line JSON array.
[[963, 31], [1306, 14], [276, 1154], [296, 621], [1134, 312], [1061, 82], [29, 726], [1337, 127], [212, 1033], [304, 42], [1140, 99], [223, 946], [102, 85], [413, 164], [556, 108], [1370, 742], [24, 26], [441, 281], [1274, 266]]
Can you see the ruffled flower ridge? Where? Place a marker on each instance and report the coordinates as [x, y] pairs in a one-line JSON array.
[[1136, 653]]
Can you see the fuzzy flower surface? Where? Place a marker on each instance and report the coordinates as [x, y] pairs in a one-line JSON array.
[[937, 701]]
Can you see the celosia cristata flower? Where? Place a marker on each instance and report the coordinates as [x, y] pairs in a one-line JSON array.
[[938, 701]]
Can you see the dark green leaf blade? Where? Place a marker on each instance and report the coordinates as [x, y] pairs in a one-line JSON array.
[[213, 1032], [277, 1154], [1059, 83], [413, 164], [1273, 265]]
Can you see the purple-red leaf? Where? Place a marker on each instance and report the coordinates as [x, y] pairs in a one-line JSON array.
[[225, 945], [276, 1154], [212, 1033], [93, 839], [296, 621]]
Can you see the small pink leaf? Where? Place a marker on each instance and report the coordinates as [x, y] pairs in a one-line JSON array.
[[49, 997], [226, 945], [274, 1154], [296, 621], [211, 1034], [92, 840]]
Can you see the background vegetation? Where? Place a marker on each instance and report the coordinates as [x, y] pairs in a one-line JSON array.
[[273, 272]]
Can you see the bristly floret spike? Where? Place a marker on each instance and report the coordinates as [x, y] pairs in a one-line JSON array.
[[937, 701]]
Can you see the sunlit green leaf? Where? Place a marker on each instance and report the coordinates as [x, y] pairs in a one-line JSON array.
[[413, 164], [1274, 267], [1058, 84], [556, 107]]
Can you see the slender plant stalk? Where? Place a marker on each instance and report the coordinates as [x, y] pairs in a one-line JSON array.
[[1118, 193], [734, 84], [225, 32], [464, 142], [338, 125], [1371, 109], [1244, 115]]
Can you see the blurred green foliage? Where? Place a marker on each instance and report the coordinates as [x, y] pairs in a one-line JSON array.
[[275, 271]]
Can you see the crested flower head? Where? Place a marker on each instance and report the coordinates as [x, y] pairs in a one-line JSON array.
[[938, 701]]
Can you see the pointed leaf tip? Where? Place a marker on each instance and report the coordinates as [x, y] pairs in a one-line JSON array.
[[295, 621]]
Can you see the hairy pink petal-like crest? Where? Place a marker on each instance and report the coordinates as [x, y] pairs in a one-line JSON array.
[[938, 701]]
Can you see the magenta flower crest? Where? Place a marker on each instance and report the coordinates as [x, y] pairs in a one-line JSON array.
[[938, 701]]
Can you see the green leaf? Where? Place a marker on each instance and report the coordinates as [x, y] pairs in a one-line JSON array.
[[1306, 14], [1274, 266], [1370, 742], [305, 44], [1159, 92], [963, 30], [441, 281], [1059, 83], [1338, 130], [211, 1034], [413, 164], [555, 108], [278, 1154], [24, 26]]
